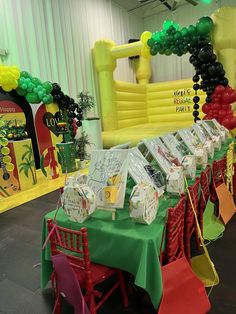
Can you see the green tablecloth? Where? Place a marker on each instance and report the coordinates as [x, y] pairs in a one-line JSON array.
[[122, 243]]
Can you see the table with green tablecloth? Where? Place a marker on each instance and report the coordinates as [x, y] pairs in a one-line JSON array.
[[122, 243]]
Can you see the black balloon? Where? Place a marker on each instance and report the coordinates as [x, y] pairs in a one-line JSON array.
[[216, 69], [196, 99], [192, 59], [71, 127], [196, 78], [224, 82], [205, 54], [195, 113], [196, 86], [72, 101], [208, 99], [196, 106], [56, 88], [198, 71], [79, 116], [78, 123]]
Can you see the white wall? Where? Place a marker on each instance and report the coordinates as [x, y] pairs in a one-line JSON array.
[[173, 67], [52, 39]]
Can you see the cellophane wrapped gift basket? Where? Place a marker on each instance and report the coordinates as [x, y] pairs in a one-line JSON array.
[[143, 203]]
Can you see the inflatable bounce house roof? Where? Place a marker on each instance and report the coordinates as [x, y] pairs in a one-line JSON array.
[[133, 111]]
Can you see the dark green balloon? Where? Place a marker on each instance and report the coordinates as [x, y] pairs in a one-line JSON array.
[[191, 30], [21, 92], [204, 25], [150, 42]]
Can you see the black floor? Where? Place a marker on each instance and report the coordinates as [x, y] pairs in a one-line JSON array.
[[20, 245]]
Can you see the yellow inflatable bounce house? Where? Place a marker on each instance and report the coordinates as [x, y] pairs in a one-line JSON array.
[[133, 111]]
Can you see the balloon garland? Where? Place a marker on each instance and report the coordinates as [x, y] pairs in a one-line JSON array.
[[35, 91], [210, 74], [68, 108]]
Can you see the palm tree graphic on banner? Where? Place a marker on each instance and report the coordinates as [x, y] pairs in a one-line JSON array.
[[28, 164]]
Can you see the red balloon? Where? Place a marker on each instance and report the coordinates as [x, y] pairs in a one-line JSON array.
[[215, 106], [226, 106], [222, 113], [205, 108], [219, 89], [232, 123], [226, 123], [229, 113], [226, 98]]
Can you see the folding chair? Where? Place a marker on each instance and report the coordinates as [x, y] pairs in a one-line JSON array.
[[190, 227], [74, 245], [67, 286]]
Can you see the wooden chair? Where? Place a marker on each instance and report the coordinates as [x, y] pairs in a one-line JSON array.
[[190, 227], [74, 245], [218, 176], [175, 232]]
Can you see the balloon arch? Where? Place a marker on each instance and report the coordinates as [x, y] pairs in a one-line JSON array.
[[210, 74], [35, 91]]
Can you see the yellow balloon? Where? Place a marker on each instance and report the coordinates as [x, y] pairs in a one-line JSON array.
[[145, 36], [5, 150], [10, 167], [6, 159], [7, 88], [3, 141]]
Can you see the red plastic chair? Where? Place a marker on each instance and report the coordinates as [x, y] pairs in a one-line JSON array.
[[67, 286], [218, 176], [70, 242], [190, 227], [205, 180], [175, 232]]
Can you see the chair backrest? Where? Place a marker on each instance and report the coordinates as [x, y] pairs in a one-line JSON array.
[[218, 171], [68, 285], [189, 214], [67, 242], [175, 231]]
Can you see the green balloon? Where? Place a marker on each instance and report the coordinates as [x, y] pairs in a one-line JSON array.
[[24, 74], [191, 30], [36, 81], [150, 42], [204, 25], [48, 86], [153, 51], [178, 35], [41, 94], [184, 32], [21, 91], [166, 25], [168, 52], [32, 98]]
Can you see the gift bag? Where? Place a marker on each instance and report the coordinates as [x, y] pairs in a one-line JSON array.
[[78, 202], [143, 203]]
